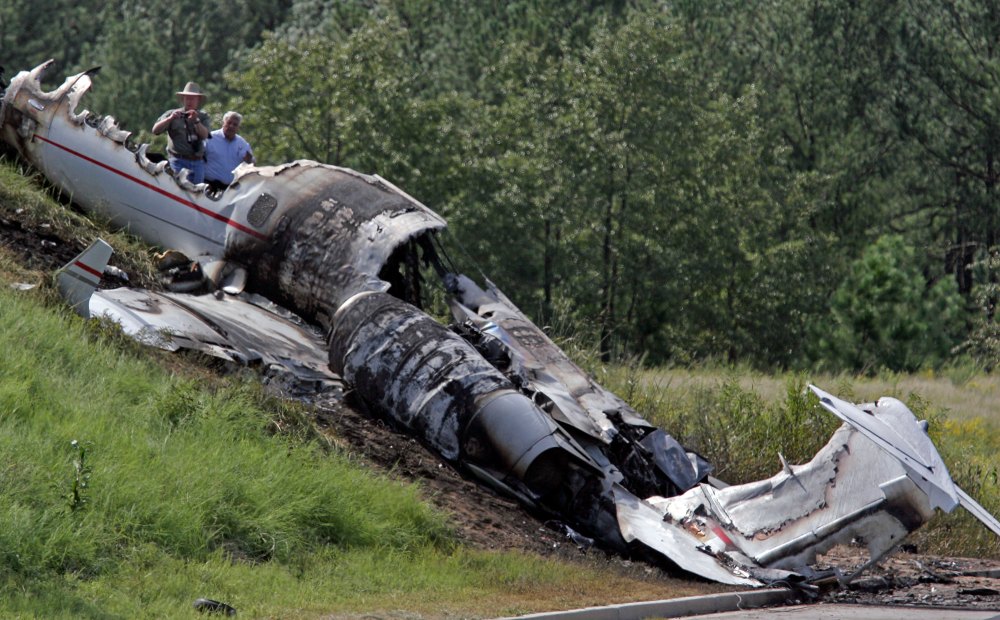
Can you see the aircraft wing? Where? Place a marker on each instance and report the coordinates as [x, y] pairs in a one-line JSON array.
[[243, 328]]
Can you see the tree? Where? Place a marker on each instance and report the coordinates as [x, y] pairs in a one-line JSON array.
[[325, 101], [983, 342], [641, 202], [149, 50], [823, 70], [887, 315], [949, 82], [33, 31], [688, 206]]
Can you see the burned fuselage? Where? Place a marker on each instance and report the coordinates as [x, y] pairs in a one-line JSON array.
[[491, 393]]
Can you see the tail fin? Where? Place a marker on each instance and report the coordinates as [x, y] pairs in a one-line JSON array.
[[78, 279]]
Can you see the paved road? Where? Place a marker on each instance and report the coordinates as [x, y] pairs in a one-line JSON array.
[[719, 606], [852, 612]]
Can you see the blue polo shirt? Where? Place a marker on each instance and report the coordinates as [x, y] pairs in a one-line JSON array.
[[222, 156]]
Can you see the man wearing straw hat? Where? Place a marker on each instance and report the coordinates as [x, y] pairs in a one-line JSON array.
[[187, 129]]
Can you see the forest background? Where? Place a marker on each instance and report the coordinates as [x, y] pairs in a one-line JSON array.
[[779, 184]]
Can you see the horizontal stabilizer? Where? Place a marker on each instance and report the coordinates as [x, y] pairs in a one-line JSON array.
[[78, 279]]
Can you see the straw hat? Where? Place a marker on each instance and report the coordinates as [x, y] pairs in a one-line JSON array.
[[191, 89]]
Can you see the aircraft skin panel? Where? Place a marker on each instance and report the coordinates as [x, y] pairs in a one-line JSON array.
[[851, 488], [641, 521]]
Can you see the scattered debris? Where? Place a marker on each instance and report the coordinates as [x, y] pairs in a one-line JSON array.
[[208, 606]]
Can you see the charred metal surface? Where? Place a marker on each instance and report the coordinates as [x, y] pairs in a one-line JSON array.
[[436, 385], [493, 393], [261, 209], [336, 231], [642, 458], [575, 398]]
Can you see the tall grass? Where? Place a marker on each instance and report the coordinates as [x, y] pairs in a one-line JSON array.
[[969, 446]]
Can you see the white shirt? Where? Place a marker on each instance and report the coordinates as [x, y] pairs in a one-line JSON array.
[[222, 156]]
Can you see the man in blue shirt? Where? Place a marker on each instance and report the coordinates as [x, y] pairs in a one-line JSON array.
[[226, 150]]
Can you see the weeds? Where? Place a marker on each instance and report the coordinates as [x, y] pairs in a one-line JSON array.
[[80, 482]]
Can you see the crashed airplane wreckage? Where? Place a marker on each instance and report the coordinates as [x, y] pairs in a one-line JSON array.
[[492, 394]]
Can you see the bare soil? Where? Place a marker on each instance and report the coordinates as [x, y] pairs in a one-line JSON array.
[[480, 517], [486, 520]]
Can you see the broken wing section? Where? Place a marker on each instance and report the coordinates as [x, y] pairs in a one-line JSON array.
[[246, 329], [79, 278], [891, 425], [850, 489], [896, 431]]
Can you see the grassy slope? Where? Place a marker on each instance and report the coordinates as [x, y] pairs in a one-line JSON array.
[[175, 489], [189, 495]]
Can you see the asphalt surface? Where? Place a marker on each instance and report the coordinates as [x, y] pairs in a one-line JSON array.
[[853, 612], [760, 605]]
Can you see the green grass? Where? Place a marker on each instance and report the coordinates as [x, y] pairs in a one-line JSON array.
[[334, 583], [166, 465]]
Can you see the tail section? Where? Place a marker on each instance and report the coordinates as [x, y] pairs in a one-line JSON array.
[[892, 427], [78, 279]]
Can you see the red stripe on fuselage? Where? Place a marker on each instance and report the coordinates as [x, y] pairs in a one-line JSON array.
[[88, 269], [150, 186]]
